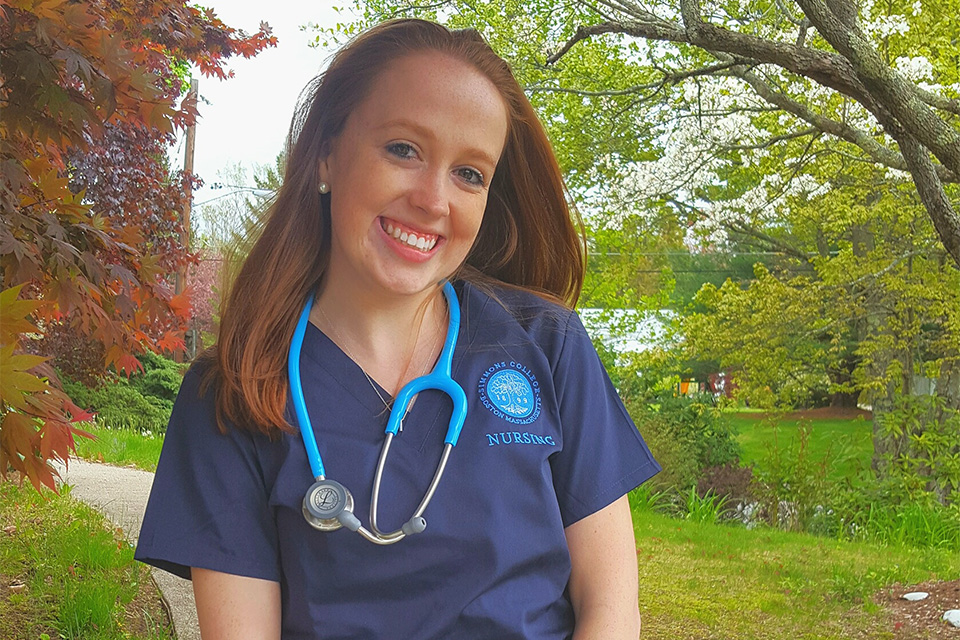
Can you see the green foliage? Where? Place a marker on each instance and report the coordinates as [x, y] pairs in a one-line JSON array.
[[872, 516], [161, 377], [647, 498], [143, 402], [685, 434], [121, 447], [924, 462], [798, 488], [774, 332]]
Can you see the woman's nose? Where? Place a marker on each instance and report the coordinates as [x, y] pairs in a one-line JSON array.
[[429, 193]]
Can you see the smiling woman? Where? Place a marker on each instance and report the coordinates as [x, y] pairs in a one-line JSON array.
[[422, 223]]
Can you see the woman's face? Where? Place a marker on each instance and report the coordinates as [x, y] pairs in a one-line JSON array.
[[409, 175]]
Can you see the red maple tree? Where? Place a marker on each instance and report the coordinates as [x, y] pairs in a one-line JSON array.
[[89, 216]]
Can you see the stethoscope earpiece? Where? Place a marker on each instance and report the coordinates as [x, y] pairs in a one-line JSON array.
[[328, 505]]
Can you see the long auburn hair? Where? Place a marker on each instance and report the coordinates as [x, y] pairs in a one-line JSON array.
[[529, 238]]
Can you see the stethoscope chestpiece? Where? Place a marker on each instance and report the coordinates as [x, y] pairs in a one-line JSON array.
[[328, 505]]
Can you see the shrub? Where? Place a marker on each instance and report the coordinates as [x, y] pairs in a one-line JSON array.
[[790, 484], [162, 384], [922, 449], [729, 480], [878, 511], [686, 434], [647, 498], [706, 509], [120, 406], [141, 403]]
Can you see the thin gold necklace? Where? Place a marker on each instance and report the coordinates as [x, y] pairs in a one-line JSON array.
[[386, 405]]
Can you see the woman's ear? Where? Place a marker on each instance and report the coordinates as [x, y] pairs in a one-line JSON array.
[[323, 165], [323, 170]]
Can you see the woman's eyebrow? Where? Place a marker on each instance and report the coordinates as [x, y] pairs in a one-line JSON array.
[[404, 123], [426, 132]]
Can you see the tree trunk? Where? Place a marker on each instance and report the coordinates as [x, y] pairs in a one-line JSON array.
[[884, 447], [948, 389], [844, 400], [948, 384]]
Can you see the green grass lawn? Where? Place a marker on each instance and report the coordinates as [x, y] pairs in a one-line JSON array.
[[845, 443], [65, 572], [701, 581], [121, 447]]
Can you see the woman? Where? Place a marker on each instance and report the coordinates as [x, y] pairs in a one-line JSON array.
[[416, 161]]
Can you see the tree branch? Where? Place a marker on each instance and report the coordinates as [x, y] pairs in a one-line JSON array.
[[785, 10], [945, 218], [887, 268], [879, 153], [828, 69], [939, 102], [738, 226], [809, 131], [857, 71], [885, 85], [741, 227], [669, 78], [654, 30]]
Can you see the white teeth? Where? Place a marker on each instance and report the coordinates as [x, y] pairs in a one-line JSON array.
[[410, 239]]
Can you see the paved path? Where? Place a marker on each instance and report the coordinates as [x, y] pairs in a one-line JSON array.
[[121, 494]]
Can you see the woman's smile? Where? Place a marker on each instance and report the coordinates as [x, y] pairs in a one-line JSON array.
[[409, 238]]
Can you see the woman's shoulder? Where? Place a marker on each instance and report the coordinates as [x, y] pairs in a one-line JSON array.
[[503, 314], [199, 380], [196, 403], [527, 308]]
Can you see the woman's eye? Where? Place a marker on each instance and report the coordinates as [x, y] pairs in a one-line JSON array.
[[472, 176], [402, 150]]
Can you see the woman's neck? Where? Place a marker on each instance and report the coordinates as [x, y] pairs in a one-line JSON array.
[[393, 339]]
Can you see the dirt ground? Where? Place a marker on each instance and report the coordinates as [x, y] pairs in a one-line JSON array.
[[821, 413], [921, 620]]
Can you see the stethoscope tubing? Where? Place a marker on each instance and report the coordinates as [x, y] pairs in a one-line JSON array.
[[296, 392], [440, 379]]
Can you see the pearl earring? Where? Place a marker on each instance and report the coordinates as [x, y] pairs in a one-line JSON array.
[[323, 187]]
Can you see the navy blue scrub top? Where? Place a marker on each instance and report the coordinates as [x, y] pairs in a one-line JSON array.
[[546, 443]]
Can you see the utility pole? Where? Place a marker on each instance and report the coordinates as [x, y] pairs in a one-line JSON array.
[[181, 281]]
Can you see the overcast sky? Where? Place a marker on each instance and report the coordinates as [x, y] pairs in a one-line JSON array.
[[245, 118]]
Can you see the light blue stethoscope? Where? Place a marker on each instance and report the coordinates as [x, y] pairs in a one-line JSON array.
[[328, 505]]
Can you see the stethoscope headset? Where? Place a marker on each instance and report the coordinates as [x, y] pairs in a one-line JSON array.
[[328, 505]]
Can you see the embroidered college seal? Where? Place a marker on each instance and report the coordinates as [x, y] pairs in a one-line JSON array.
[[511, 392]]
